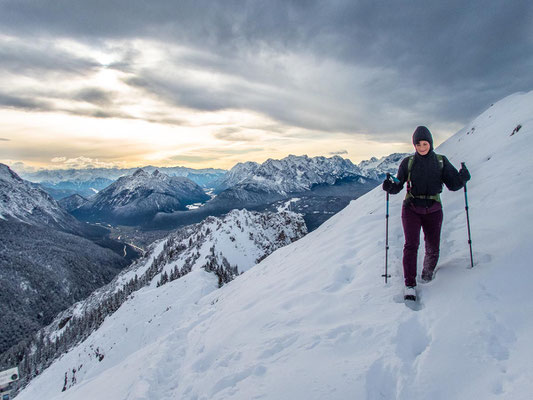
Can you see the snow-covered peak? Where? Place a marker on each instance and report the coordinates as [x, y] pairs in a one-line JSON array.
[[140, 178], [7, 173], [127, 186], [378, 168], [23, 201], [141, 172], [136, 198]]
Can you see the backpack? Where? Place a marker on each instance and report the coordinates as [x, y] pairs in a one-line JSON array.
[[409, 195]]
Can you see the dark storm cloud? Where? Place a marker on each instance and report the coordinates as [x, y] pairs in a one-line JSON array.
[[446, 61]]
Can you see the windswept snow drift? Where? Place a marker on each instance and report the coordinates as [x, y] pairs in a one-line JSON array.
[[315, 319]]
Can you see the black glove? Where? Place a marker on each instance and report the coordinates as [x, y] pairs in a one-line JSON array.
[[387, 185], [464, 174]]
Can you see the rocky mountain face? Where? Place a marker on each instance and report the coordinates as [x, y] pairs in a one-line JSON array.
[[295, 174], [72, 202], [289, 175], [23, 201], [378, 169], [251, 184], [135, 199]]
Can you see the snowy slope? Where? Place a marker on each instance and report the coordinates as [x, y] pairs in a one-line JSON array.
[[315, 319]]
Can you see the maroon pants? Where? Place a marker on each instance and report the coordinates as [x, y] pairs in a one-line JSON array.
[[430, 220]]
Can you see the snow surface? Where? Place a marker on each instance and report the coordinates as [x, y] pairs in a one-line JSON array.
[[315, 320]]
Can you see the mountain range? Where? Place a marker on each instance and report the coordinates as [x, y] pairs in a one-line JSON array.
[[62, 183], [135, 199], [323, 186], [87, 182], [291, 174]]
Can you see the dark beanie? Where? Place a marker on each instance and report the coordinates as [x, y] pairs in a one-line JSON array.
[[423, 133]]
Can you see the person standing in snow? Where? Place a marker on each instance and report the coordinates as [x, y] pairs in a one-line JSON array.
[[424, 173]]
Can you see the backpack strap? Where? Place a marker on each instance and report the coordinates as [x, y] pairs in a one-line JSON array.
[[409, 195]]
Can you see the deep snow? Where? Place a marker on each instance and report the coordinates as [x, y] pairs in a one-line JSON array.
[[315, 319]]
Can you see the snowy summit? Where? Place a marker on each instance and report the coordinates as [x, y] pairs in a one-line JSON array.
[[315, 320], [138, 197]]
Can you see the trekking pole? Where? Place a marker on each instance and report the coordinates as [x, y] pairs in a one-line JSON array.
[[386, 275], [468, 223]]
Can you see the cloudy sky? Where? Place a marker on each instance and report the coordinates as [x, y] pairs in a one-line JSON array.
[[211, 83]]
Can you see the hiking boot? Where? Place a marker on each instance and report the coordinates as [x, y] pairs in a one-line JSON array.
[[427, 276], [409, 293]]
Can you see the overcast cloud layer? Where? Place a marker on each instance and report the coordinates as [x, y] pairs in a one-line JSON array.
[[371, 68]]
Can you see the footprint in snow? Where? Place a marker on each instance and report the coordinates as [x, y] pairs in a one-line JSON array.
[[411, 339]]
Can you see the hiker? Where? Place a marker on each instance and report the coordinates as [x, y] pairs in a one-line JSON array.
[[424, 172]]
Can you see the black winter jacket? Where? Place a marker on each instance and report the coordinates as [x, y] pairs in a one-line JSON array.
[[427, 177]]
